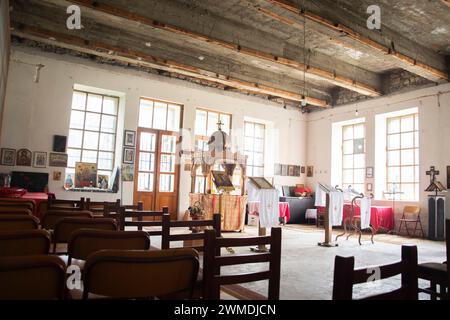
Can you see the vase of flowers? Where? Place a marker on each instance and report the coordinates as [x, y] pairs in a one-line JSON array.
[[196, 212]]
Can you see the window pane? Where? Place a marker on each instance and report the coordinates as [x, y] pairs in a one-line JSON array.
[[358, 146], [359, 176], [407, 124], [393, 142], [358, 131], [250, 171], [167, 163], [407, 174], [105, 160], [90, 140], [77, 120], [169, 144], [145, 182], [407, 140], [259, 131], [348, 132], [166, 183], [89, 156], [407, 157], [347, 177], [200, 123], [408, 191], [347, 162], [393, 174], [147, 141], [110, 105], [258, 159], [416, 139], [202, 145], [213, 119], [358, 187], [348, 147], [146, 114], [249, 129], [248, 143], [226, 120], [78, 100], [94, 103], [249, 158], [259, 145], [75, 138], [73, 156], [360, 161], [416, 122], [393, 158], [106, 142], [146, 161], [258, 172], [173, 118], [92, 121], [108, 124], [393, 125], [200, 184], [160, 116]]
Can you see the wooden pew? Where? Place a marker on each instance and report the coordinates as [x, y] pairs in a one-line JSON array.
[[140, 223]]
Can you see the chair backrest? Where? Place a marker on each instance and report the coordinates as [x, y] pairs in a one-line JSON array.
[[6, 205], [84, 242], [112, 209], [98, 208], [61, 204], [140, 223], [11, 222], [412, 210], [212, 280], [15, 210], [66, 226], [52, 217], [345, 277], [40, 277], [154, 273], [24, 243], [168, 224], [28, 203], [139, 206]]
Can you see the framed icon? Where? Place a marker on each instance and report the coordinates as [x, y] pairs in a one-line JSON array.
[[128, 155], [129, 138], [369, 172], [39, 159], [58, 160], [8, 157], [59, 143], [23, 158]]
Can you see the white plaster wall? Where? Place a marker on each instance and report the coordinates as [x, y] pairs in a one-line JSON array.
[[434, 135], [34, 112], [4, 51]]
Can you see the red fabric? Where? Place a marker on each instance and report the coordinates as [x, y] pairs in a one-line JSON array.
[[380, 216], [38, 198], [12, 192], [284, 211]]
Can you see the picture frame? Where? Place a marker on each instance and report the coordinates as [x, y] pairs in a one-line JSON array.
[[291, 171], [369, 187], [8, 157], [103, 181], [128, 156], [261, 183], [129, 138], [303, 169], [369, 172], [296, 171], [23, 158], [127, 172], [59, 143], [284, 170], [40, 159], [310, 171], [222, 181], [277, 170], [85, 175], [57, 175], [57, 160]]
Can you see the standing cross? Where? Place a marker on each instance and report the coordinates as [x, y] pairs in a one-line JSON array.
[[432, 173], [220, 124]]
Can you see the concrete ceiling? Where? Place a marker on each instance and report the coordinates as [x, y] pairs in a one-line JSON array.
[[290, 51]]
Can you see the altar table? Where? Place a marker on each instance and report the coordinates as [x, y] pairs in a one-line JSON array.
[[380, 216], [283, 209]]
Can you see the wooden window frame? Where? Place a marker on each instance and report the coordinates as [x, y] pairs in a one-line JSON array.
[[345, 184]]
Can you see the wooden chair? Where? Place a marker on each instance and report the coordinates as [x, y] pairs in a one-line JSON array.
[[24, 243], [15, 210], [99, 208], [51, 218], [66, 226], [40, 277], [213, 261], [10, 222], [84, 242], [61, 204], [154, 273], [345, 277], [139, 216], [25, 203], [411, 214], [437, 273]]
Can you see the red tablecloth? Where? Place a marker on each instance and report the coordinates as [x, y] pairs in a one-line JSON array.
[[380, 216], [37, 197], [283, 208]]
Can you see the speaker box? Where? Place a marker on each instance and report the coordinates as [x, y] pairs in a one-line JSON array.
[[436, 218]]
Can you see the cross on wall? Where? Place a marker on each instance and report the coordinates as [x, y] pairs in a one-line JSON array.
[[432, 173]]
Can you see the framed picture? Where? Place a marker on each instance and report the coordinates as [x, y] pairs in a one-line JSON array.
[[59, 143], [296, 171], [23, 158], [290, 171], [129, 138], [8, 157], [128, 172], [310, 171], [284, 170], [260, 183], [277, 171], [85, 174], [128, 155], [369, 172], [222, 181], [102, 181], [39, 159], [448, 177], [57, 160], [56, 175], [303, 169], [369, 187]]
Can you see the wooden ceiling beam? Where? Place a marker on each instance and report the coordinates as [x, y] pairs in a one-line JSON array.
[[421, 68], [446, 2], [313, 71], [139, 58]]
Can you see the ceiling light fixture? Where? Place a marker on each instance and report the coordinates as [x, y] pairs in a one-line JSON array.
[[201, 58], [148, 44], [356, 113]]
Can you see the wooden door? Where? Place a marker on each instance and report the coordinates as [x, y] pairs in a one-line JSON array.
[[157, 170]]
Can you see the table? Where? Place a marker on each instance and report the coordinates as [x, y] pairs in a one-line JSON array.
[[380, 216], [283, 210]]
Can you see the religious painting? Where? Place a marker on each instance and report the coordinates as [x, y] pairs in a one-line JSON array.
[[129, 138], [57, 160], [303, 169], [284, 170], [222, 181], [102, 181], [128, 155], [310, 171], [8, 157], [448, 177], [56, 175], [260, 183], [277, 171], [290, 171], [23, 158], [85, 174], [296, 171], [39, 159], [128, 172], [369, 172], [59, 143], [369, 187]]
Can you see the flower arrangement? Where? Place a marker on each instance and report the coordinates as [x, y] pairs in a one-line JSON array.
[[196, 211]]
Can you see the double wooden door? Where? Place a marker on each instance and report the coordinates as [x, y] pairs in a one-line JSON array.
[[157, 170]]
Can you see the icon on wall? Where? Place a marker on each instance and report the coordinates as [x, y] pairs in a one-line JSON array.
[[39, 159], [310, 171], [8, 157], [129, 138], [23, 158], [128, 155]]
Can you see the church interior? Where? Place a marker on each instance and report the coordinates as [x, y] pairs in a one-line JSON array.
[[224, 150]]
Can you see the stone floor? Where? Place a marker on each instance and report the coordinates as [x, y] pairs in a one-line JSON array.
[[307, 269]]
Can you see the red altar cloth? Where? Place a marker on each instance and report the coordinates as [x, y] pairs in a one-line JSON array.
[[380, 216], [283, 209]]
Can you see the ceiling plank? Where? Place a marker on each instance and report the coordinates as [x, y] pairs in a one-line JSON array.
[[402, 60], [447, 2], [313, 71], [140, 58]]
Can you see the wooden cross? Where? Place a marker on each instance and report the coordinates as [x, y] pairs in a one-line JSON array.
[[432, 173], [220, 124]]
